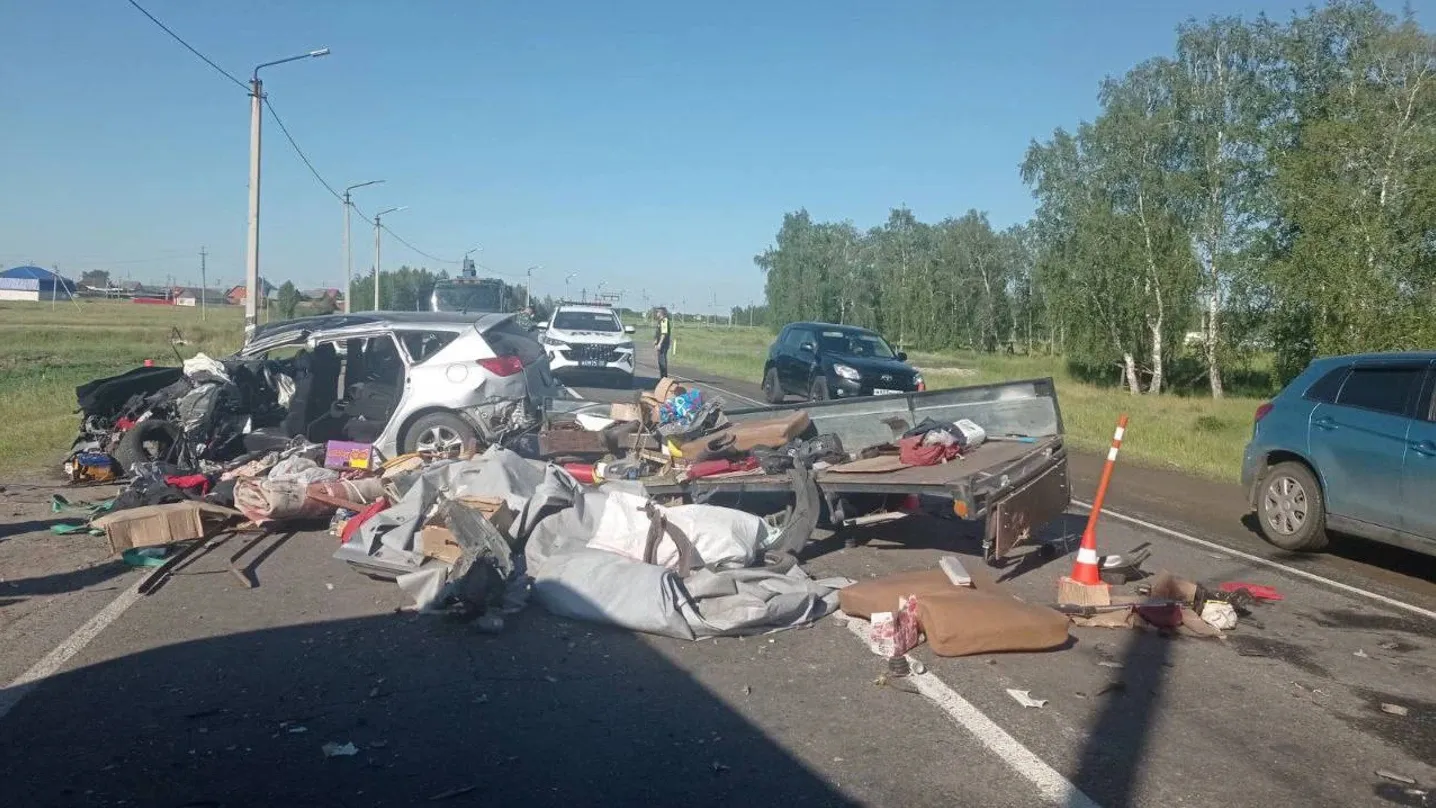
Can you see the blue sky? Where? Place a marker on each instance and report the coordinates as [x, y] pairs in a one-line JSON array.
[[652, 146]]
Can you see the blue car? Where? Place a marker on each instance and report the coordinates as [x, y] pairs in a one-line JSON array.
[[1349, 446]]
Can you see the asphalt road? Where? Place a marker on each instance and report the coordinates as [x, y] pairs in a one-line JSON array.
[[207, 693]]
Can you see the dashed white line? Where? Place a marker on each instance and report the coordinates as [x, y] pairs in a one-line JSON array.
[[1049, 782], [1266, 562], [62, 653]]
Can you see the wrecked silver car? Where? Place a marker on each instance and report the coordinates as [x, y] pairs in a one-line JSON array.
[[437, 383]]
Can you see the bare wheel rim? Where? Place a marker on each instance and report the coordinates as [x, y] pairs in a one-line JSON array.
[[1285, 505], [439, 440]]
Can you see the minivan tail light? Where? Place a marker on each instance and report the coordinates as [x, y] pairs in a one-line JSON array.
[[503, 365], [1262, 411]]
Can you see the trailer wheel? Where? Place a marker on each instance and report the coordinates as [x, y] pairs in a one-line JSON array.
[[146, 442]]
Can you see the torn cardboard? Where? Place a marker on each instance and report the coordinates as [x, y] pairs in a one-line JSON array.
[[153, 525]]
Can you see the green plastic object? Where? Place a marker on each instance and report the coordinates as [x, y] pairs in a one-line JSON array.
[[145, 556]]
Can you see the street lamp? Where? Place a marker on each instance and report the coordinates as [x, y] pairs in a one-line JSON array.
[[529, 285], [377, 229], [348, 255], [570, 277], [251, 263]]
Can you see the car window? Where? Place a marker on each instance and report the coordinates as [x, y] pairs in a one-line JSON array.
[[511, 339], [423, 344], [856, 343], [1326, 388], [1383, 389], [603, 321], [794, 339]]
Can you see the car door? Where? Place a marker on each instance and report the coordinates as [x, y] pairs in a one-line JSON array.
[[1418, 473], [1358, 443], [791, 362]]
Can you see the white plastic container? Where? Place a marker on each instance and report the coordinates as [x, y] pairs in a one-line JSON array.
[[973, 435]]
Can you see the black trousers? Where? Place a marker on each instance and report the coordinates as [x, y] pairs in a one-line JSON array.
[[663, 362]]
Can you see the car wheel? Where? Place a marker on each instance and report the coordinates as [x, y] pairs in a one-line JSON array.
[[1291, 508], [442, 434], [772, 388], [819, 390], [146, 442]]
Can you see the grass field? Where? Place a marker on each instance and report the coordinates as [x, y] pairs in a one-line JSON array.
[[1192, 434], [45, 352]]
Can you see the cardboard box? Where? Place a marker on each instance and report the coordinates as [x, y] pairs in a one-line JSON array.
[[344, 454], [494, 509], [153, 525], [436, 541], [620, 411], [1072, 593]]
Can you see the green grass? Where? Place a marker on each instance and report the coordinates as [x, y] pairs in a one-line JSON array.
[[46, 352], [1187, 433]]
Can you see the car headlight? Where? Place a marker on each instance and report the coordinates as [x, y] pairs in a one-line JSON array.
[[847, 372], [547, 340], [625, 346]]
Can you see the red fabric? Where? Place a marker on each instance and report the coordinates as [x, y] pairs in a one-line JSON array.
[[912, 452], [708, 468], [124, 423], [357, 520], [583, 472], [185, 482], [1258, 591]]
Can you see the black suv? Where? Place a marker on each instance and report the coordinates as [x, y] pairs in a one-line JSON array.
[[821, 361]]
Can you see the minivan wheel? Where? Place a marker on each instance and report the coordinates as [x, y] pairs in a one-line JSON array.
[[441, 434], [772, 388], [1291, 509]]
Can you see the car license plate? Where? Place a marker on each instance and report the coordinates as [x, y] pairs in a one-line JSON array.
[[590, 363], [877, 391]]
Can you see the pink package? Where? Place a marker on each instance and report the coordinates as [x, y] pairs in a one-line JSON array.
[[896, 633]]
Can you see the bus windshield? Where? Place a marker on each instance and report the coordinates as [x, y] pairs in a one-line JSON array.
[[469, 297]]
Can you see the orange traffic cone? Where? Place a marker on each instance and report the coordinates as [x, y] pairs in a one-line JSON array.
[[1085, 570]]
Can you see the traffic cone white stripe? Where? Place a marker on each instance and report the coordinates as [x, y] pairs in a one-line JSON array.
[[1086, 555]]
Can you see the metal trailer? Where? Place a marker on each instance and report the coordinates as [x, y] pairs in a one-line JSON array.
[[1016, 481]]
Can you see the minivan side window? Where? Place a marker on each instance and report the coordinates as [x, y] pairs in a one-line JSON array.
[[1326, 388], [1383, 389], [796, 338]]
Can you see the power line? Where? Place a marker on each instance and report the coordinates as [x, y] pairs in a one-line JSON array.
[[401, 240], [302, 156], [189, 47]]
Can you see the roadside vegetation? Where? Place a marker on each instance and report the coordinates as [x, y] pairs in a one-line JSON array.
[[1189, 433]]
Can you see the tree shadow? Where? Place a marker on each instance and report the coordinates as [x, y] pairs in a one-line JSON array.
[[548, 713]]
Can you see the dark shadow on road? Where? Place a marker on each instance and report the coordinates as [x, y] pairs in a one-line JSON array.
[[548, 713], [1110, 763], [61, 582], [12, 529]]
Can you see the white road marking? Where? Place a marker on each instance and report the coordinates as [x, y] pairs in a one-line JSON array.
[[62, 653], [1049, 782], [1266, 562]]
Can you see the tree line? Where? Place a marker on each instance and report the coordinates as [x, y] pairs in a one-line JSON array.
[[1269, 187]]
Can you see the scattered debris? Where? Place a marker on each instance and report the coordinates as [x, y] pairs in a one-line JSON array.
[[1394, 709], [1396, 777], [453, 792], [333, 749], [1106, 663], [1025, 699], [1361, 654]]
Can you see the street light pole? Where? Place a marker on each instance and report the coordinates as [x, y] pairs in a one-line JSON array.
[[529, 285], [378, 228], [251, 263], [571, 276], [348, 254]]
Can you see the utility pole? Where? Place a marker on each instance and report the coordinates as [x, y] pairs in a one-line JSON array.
[[348, 254], [378, 228], [203, 284], [251, 262]]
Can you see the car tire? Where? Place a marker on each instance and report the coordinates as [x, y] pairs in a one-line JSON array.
[[772, 388], [1291, 509], [819, 390], [443, 434], [146, 442]]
